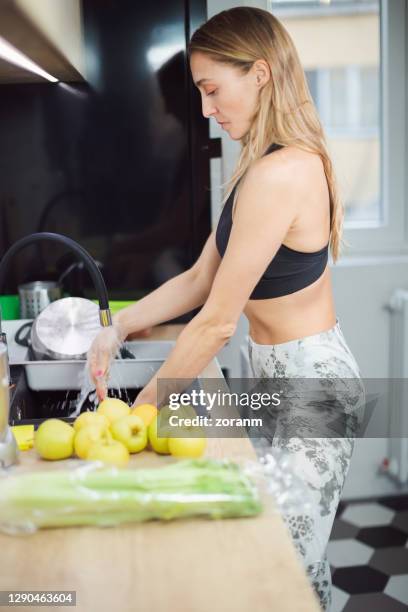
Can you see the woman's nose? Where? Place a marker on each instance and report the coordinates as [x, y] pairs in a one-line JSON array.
[[208, 108]]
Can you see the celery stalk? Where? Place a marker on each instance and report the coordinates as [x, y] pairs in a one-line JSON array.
[[107, 496]]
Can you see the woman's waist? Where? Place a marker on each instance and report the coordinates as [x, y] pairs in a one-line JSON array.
[[290, 317], [289, 329]]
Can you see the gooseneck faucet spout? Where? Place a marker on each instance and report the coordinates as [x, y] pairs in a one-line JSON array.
[[105, 316]]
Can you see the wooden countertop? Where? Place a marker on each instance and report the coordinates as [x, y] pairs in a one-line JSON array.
[[188, 565]]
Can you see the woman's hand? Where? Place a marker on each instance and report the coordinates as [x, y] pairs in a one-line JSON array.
[[103, 351]]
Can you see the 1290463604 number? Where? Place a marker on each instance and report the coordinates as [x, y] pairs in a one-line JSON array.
[[37, 598]]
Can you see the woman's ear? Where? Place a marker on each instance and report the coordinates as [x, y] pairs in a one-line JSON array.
[[262, 72]]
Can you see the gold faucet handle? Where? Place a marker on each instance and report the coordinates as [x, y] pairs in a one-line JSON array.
[[105, 317]]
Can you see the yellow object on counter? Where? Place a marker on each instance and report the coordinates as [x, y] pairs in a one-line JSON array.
[[24, 435]]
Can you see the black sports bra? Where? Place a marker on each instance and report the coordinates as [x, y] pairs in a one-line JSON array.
[[289, 270]]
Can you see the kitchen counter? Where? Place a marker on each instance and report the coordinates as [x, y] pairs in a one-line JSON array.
[[188, 565]]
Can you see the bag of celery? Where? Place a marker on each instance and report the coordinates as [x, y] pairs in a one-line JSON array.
[[104, 496]]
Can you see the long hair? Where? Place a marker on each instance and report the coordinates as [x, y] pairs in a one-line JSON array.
[[285, 113]]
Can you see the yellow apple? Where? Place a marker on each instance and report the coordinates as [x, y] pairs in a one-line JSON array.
[[109, 451], [54, 439], [87, 436], [90, 418], [187, 447], [160, 445], [131, 431], [113, 408], [146, 411]]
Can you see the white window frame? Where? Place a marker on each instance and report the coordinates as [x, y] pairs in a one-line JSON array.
[[390, 235]]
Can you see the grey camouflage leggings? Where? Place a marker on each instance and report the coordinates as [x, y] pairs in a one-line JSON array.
[[321, 462]]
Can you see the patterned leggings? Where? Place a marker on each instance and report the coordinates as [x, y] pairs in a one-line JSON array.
[[320, 462]]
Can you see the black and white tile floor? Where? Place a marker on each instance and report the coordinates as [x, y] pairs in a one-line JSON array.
[[368, 554]]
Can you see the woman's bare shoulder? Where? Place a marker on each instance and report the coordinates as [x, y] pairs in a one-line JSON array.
[[292, 161]]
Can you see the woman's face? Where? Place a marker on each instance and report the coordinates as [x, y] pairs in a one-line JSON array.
[[227, 94]]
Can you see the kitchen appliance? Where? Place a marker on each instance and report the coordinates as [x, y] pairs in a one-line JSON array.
[[8, 445], [34, 297]]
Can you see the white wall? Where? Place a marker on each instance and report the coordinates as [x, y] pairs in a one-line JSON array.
[[361, 294], [361, 289]]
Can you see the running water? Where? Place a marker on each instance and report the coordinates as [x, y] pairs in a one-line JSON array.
[[87, 393]]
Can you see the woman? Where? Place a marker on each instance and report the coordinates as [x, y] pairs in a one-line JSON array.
[[268, 256]]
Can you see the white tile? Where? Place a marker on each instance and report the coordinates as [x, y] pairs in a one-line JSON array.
[[397, 587], [368, 515], [347, 553], [339, 600]]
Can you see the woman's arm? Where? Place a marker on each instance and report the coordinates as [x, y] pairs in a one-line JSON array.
[[175, 297], [267, 206]]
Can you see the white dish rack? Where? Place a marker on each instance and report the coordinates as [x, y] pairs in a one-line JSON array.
[[64, 375]]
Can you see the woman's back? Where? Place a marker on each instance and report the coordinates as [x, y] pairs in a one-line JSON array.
[[311, 309]]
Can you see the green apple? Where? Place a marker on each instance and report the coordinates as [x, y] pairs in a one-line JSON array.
[[87, 436], [160, 445], [90, 418], [109, 451], [131, 431], [113, 408], [54, 439]]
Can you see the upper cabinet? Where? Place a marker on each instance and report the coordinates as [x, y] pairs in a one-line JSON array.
[[49, 33]]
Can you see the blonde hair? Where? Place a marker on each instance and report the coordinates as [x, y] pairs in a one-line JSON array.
[[285, 113]]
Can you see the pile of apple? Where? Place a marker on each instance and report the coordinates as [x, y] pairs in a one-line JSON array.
[[110, 434]]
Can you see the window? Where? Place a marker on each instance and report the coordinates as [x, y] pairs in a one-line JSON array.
[[347, 99]]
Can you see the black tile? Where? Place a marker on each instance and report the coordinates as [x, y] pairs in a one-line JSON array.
[[401, 521], [374, 602], [343, 530], [359, 579], [395, 502], [382, 537], [390, 561]]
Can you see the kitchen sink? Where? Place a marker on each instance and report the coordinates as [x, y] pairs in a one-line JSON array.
[[51, 389], [45, 389], [28, 406]]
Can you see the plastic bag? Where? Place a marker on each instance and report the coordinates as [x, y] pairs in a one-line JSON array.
[[96, 495]]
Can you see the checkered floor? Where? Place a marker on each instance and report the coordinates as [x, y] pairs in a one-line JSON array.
[[368, 554]]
